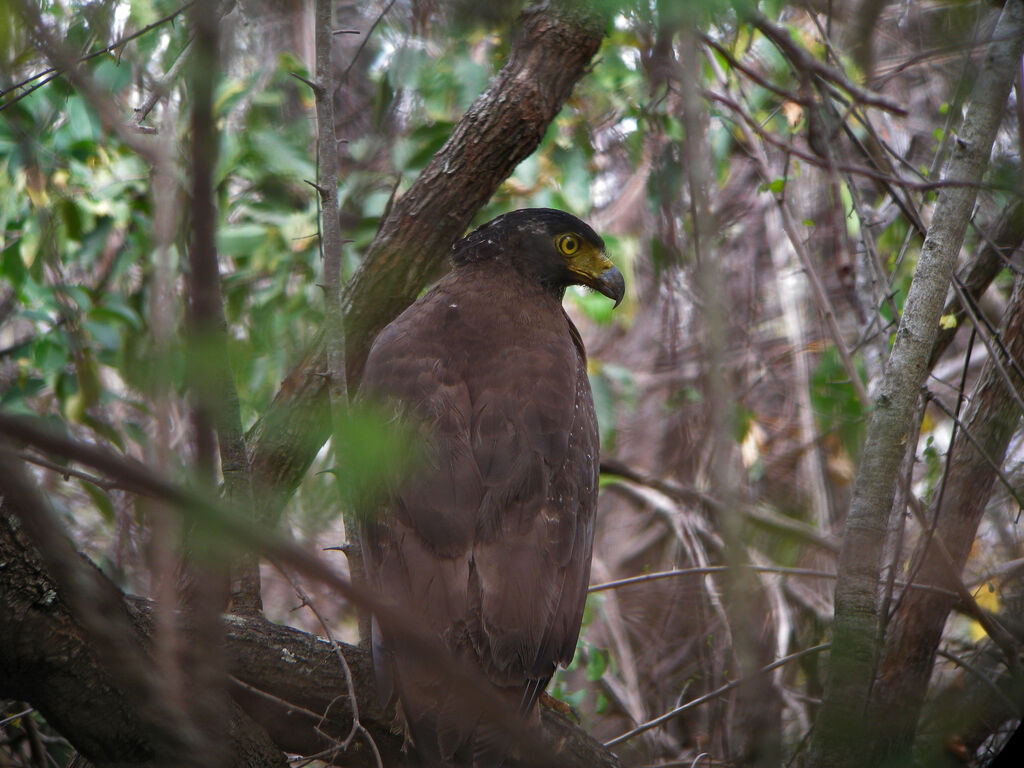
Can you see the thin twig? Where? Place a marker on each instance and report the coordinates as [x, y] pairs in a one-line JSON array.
[[1006, 481], [66, 472], [690, 495], [813, 159], [714, 694], [161, 87], [365, 40], [803, 61], [818, 292], [289, 705], [706, 570], [104, 106], [921, 559], [778, 569], [12, 718], [357, 726], [750, 73], [1011, 705], [989, 337], [331, 244], [57, 71]]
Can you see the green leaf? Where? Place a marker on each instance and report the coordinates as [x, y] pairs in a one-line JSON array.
[[575, 181], [112, 75], [604, 405], [83, 125], [101, 427], [229, 93], [277, 157], [115, 308], [241, 239], [100, 500], [597, 307], [51, 358], [596, 664], [575, 699], [106, 335]]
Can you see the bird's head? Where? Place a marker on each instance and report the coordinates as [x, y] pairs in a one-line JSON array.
[[552, 246]]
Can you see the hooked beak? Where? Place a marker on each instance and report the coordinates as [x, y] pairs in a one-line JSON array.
[[611, 284], [595, 270]]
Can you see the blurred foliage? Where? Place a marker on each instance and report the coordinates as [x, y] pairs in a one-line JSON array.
[[835, 403]]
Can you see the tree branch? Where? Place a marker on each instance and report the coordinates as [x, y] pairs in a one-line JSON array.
[[979, 272], [331, 245], [56, 71], [68, 645]]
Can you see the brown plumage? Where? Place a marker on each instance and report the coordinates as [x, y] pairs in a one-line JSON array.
[[488, 544]]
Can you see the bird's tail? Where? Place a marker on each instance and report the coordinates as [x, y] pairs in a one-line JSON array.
[[445, 732]]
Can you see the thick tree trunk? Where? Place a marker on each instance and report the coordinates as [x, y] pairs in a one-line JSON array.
[[502, 127], [843, 735]]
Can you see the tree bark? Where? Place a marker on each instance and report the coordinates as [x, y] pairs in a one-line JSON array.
[[843, 735], [72, 668], [289, 689], [501, 128], [989, 423]]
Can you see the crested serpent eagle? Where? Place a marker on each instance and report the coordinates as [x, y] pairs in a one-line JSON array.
[[487, 544]]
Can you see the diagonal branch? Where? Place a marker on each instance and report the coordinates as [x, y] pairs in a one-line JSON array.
[[56, 71], [979, 272], [551, 52], [818, 292], [711, 695], [68, 644]]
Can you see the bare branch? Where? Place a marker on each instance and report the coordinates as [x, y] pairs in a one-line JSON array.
[[714, 694], [331, 245], [357, 727], [818, 292]]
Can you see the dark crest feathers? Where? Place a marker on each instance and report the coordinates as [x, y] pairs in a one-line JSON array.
[[494, 237]]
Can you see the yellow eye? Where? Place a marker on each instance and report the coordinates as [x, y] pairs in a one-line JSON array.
[[568, 244]]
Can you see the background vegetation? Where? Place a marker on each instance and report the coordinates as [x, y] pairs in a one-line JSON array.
[[815, 378]]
